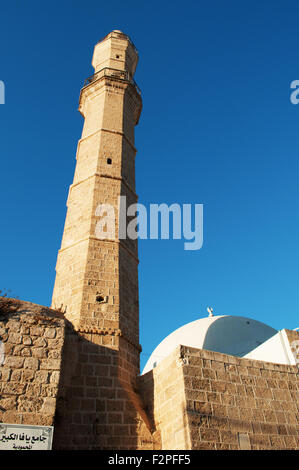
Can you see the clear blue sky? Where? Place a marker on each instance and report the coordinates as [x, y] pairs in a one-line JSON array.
[[217, 128]]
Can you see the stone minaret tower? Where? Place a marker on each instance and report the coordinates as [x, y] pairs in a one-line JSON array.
[[97, 281], [97, 276]]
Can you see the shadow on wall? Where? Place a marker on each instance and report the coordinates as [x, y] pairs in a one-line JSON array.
[[95, 409], [236, 336]]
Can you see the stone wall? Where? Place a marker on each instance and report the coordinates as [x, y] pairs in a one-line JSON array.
[[31, 339], [83, 383], [163, 393], [199, 399], [80, 382], [232, 400], [98, 407]]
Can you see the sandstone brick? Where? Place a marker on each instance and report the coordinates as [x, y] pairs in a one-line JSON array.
[[13, 388], [50, 333], [208, 373], [228, 400], [213, 397], [233, 412], [277, 442], [13, 326], [39, 353], [54, 377], [33, 390], [5, 374], [201, 384], [14, 362], [40, 342], [50, 364], [49, 406], [268, 428], [8, 403], [209, 435], [228, 437], [27, 340], [202, 407], [261, 442], [28, 375], [26, 352], [36, 331], [29, 405], [16, 375], [270, 416], [42, 376], [15, 338], [290, 442], [31, 363], [3, 330], [219, 410], [282, 429]]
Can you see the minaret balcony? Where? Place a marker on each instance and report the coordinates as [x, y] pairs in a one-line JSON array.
[[119, 75]]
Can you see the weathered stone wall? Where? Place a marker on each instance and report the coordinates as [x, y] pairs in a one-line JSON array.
[[229, 397], [32, 339], [215, 401], [98, 407], [81, 382], [163, 393]]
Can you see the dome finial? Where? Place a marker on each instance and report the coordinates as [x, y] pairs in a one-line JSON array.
[[210, 311]]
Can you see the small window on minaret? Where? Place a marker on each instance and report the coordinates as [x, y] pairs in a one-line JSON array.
[[117, 56], [100, 298], [109, 161]]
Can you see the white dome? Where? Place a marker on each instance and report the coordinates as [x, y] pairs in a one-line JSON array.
[[226, 334]]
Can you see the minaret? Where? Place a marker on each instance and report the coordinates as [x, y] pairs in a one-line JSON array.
[[97, 277], [97, 273]]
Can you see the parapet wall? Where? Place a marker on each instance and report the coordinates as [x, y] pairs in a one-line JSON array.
[[79, 382], [163, 393], [31, 340], [200, 399], [235, 403]]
